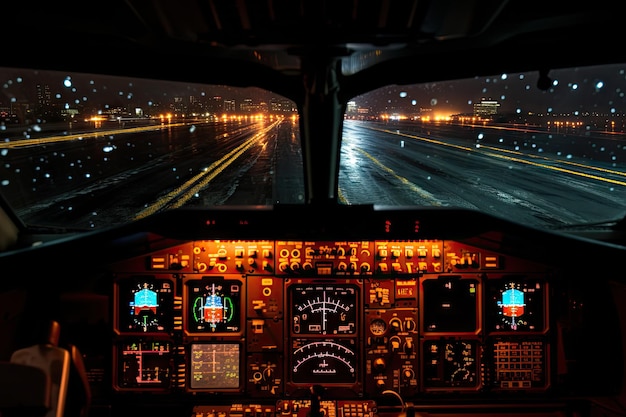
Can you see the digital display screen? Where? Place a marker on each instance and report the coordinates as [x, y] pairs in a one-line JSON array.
[[144, 364], [450, 304], [451, 363], [323, 309], [213, 305], [214, 366], [521, 364], [145, 304], [516, 304]]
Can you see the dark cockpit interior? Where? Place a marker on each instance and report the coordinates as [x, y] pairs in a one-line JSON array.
[[318, 309]]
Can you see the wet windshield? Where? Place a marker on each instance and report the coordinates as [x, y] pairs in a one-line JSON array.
[[85, 151], [546, 152]]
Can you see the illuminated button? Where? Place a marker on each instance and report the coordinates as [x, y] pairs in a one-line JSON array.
[[158, 262], [408, 346], [410, 325], [257, 326], [492, 262], [395, 344], [396, 324]]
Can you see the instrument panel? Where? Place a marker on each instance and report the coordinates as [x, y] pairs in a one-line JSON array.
[[270, 319]]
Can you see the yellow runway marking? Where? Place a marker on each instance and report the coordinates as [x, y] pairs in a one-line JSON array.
[[524, 161], [179, 196], [22, 143]]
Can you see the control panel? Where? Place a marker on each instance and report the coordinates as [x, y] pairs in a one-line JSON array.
[[268, 320]]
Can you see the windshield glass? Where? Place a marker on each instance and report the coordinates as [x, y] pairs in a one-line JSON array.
[[543, 151], [88, 151]]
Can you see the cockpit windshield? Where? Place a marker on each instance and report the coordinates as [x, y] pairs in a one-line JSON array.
[[87, 151], [546, 150]]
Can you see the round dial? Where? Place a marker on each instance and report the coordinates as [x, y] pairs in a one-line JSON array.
[[324, 361], [324, 309], [378, 327]]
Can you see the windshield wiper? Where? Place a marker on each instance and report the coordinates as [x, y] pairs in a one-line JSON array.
[[614, 224]]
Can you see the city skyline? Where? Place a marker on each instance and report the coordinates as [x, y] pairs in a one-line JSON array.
[[591, 89], [96, 93], [599, 89]]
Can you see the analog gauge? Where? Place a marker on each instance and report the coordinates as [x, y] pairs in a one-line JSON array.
[[324, 361], [378, 327], [324, 309]]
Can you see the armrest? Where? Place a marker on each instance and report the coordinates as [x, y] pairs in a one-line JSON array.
[[24, 390]]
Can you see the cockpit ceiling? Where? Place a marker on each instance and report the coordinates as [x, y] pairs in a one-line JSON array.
[[283, 22], [275, 34]]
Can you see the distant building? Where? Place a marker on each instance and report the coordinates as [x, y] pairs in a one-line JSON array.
[[230, 105], [44, 96], [486, 109], [351, 108], [215, 105], [363, 111], [281, 105]]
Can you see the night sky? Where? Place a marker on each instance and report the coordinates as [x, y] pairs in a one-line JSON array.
[[590, 89], [106, 91]]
